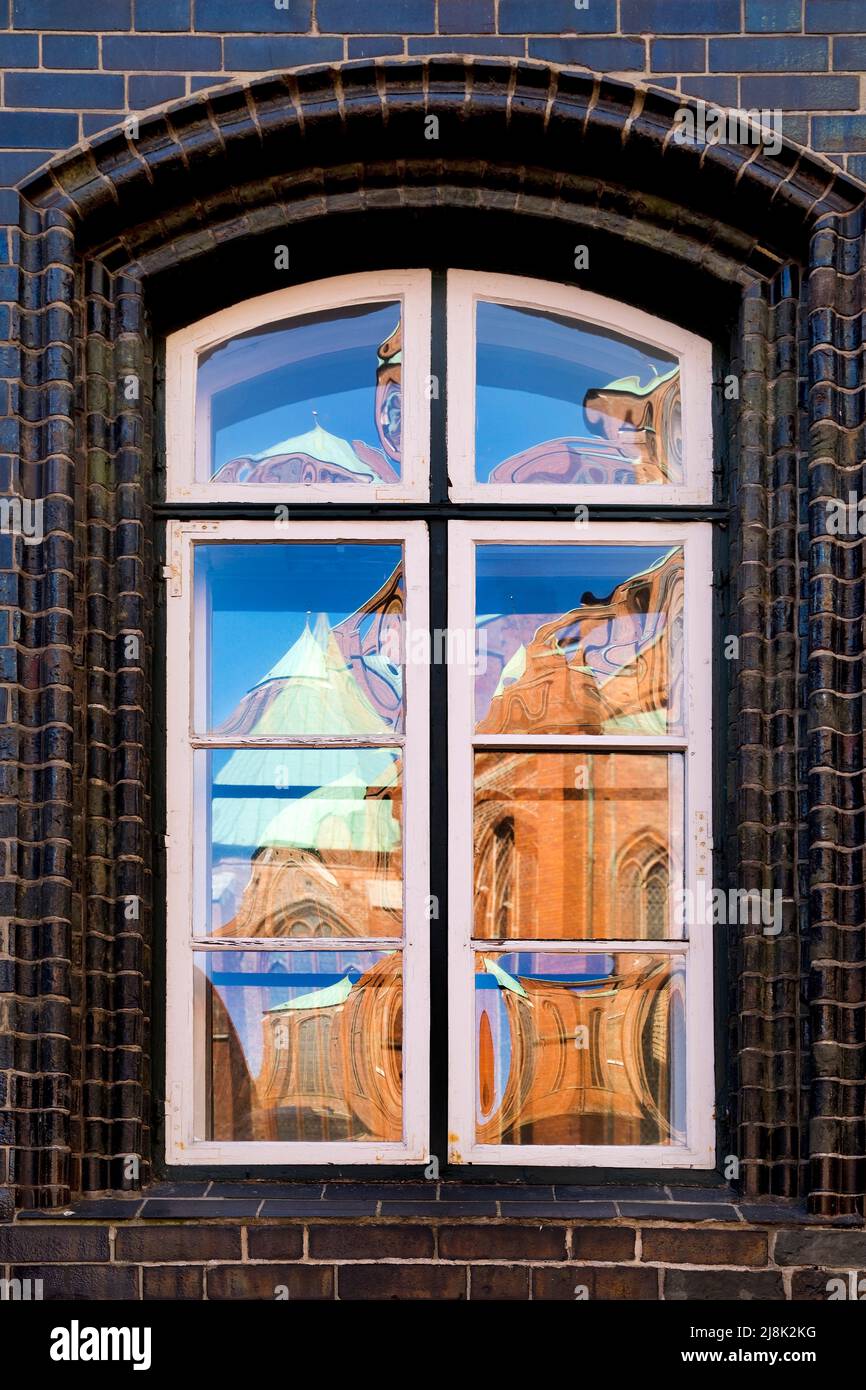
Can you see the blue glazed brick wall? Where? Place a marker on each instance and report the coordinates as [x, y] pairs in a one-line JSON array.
[[72, 67]]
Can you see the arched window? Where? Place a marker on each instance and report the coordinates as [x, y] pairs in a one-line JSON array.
[[326, 507]]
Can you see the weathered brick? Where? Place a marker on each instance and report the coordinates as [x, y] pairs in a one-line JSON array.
[[666, 1246], [350, 1242], [197, 1241], [602, 1243], [275, 1243], [580, 1282], [34, 1243], [270, 1281], [82, 1283], [172, 1282], [832, 1249], [512, 1242], [722, 1284], [495, 1283], [436, 1283]]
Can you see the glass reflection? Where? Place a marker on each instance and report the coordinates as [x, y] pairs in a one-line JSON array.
[[313, 399], [574, 846], [305, 842], [580, 1049], [302, 639], [560, 401], [579, 639], [301, 1046]]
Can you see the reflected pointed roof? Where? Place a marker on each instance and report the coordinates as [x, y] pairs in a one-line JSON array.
[[310, 690], [321, 445]]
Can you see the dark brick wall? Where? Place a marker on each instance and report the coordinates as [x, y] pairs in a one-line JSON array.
[[74, 67], [458, 1244]]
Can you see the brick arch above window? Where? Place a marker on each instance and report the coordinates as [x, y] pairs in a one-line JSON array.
[[111, 232]]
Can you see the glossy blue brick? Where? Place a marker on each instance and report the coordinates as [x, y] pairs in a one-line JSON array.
[[720, 91], [839, 134], [800, 93], [172, 53], [29, 130], [72, 14], [163, 16], [835, 17], [556, 17], [484, 48], [374, 48], [467, 17], [260, 55], [19, 51], [796, 54], [15, 165], [153, 90], [774, 16], [253, 17], [70, 90], [213, 79], [849, 55], [70, 51], [857, 167], [680, 16], [605, 55], [386, 16], [678, 55]]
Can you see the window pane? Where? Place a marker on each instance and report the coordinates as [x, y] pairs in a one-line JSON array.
[[300, 639], [579, 639], [303, 842], [560, 401], [574, 846], [580, 1049], [301, 1046], [313, 399]]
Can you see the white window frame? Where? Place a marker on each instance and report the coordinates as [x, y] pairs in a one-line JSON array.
[[696, 745], [184, 347], [466, 288], [182, 833]]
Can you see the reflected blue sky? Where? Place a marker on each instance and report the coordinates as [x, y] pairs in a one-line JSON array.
[[328, 364], [260, 596], [532, 373]]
